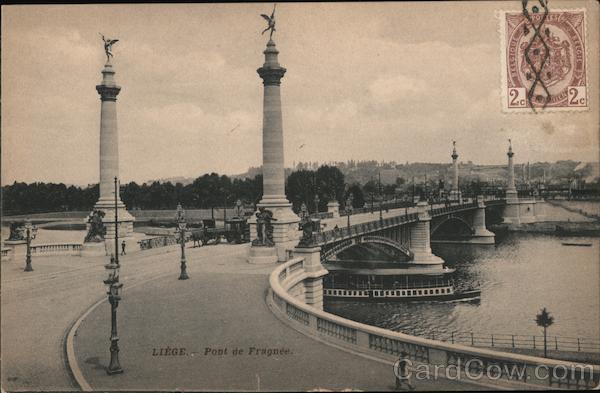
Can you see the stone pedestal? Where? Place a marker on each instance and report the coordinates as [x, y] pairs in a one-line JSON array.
[[93, 249], [334, 208], [262, 255], [285, 223], [420, 241], [313, 284], [455, 196], [18, 249]]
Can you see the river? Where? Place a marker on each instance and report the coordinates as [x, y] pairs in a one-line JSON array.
[[518, 276]]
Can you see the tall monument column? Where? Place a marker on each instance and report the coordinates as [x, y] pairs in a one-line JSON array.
[[285, 222], [455, 192], [109, 163], [511, 210]]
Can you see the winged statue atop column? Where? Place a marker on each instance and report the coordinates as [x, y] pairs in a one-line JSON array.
[[108, 43], [271, 21]]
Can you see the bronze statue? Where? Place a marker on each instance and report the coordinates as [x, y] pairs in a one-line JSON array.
[[264, 228], [271, 21], [108, 43], [307, 231], [97, 229], [17, 231]]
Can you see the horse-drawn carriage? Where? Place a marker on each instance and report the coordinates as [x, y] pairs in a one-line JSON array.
[[236, 231]]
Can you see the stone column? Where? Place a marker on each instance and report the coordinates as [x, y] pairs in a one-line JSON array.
[[109, 164], [455, 192], [420, 239], [511, 211], [285, 225]]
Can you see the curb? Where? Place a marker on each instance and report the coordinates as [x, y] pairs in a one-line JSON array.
[[70, 350], [71, 359]]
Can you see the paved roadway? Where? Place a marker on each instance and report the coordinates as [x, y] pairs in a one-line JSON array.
[[222, 305], [40, 306]]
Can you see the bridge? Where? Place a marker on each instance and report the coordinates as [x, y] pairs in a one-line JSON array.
[[408, 231]]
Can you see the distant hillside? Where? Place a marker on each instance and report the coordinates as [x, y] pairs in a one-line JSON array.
[[393, 173]]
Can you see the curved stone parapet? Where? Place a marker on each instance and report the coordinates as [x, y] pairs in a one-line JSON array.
[[285, 298]]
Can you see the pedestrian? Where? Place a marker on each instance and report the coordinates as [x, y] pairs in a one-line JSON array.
[[123, 248], [402, 372]]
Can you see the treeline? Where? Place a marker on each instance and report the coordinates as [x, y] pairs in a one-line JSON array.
[[209, 190]]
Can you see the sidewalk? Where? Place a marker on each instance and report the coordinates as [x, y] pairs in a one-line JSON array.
[[221, 307]]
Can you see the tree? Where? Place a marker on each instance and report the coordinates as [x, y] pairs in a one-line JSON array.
[[300, 188], [358, 199], [544, 319], [330, 185]]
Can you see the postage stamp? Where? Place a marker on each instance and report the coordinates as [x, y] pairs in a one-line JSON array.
[[544, 61]]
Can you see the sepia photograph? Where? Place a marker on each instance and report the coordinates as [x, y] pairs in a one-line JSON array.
[[300, 196]]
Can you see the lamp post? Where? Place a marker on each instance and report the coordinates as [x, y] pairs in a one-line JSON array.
[[349, 211], [31, 233], [316, 202], [114, 295], [303, 212], [380, 199], [181, 226], [116, 221]]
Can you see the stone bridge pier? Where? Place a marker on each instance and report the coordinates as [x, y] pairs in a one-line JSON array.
[[481, 235], [420, 238]]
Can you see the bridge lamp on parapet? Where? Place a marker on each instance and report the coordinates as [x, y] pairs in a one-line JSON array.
[[303, 212], [113, 290], [181, 227], [349, 211], [30, 234]]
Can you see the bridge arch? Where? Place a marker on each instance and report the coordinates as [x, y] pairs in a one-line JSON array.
[[452, 220], [366, 239]]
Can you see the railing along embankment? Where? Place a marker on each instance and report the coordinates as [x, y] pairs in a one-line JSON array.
[[484, 366]]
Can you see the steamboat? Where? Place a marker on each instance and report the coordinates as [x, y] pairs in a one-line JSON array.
[[390, 281]]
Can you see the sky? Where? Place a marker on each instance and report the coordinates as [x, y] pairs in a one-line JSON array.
[[365, 81]]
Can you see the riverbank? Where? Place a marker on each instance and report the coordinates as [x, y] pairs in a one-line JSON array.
[[559, 228]]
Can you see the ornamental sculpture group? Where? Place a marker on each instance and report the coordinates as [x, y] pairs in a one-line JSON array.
[[264, 228], [97, 230]]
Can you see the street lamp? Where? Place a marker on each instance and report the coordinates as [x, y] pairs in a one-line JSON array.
[[116, 221], [181, 226], [316, 202], [349, 211], [114, 295], [380, 200], [303, 212], [31, 232]]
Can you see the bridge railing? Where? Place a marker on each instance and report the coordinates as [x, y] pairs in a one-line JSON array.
[[322, 215], [56, 249], [493, 367], [452, 208], [519, 341], [158, 241], [360, 229]]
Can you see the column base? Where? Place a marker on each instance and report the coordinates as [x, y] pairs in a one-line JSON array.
[[285, 227]]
